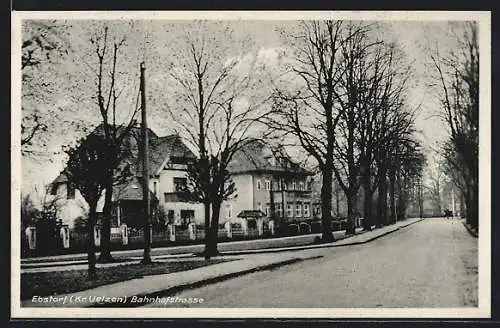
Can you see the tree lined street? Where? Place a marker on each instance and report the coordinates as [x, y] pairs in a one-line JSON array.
[[429, 264], [323, 111]]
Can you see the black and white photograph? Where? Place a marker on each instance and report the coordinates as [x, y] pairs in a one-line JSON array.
[[251, 164]]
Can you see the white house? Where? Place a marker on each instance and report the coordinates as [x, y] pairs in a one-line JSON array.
[[168, 158]]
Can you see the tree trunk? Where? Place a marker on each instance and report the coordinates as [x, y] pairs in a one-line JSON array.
[[214, 230], [206, 209], [326, 205], [392, 197], [382, 198], [105, 256], [92, 275], [367, 207], [401, 204], [351, 228]]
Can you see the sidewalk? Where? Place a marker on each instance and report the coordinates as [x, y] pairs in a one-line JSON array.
[[72, 260], [121, 294], [190, 249], [341, 240]]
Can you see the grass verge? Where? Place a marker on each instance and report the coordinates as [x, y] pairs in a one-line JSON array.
[[71, 281]]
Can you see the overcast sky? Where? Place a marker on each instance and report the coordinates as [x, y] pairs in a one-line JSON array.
[[154, 42]]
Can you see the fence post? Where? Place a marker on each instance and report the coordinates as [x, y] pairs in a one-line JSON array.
[[229, 233], [124, 231], [97, 235], [192, 231], [171, 232], [64, 233], [271, 227], [31, 235], [260, 226]]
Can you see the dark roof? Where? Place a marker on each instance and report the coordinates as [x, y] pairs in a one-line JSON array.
[[130, 190], [251, 214], [61, 178], [160, 148], [259, 156], [170, 147]]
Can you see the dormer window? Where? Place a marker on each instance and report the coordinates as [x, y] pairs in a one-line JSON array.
[[180, 184], [53, 189]]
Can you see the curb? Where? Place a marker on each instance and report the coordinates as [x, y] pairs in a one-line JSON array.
[[199, 283], [317, 246], [230, 253], [469, 230]]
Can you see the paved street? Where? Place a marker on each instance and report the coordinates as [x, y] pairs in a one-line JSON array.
[[429, 264]]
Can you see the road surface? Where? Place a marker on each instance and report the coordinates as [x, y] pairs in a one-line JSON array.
[[429, 264]]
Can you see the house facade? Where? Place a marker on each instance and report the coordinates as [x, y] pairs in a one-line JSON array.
[[168, 160], [269, 188]]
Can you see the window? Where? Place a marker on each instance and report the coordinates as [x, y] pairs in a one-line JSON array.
[[289, 210], [283, 184], [268, 211], [228, 211], [268, 185], [53, 189], [298, 210], [306, 210], [70, 191], [180, 184], [258, 184], [279, 210], [301, 185], [155, 187], [294, 185]]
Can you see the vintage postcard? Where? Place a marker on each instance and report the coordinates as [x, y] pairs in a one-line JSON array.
[[260, 164]]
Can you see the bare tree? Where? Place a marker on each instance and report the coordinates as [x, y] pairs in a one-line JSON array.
[[107, 50], [372, 80], [216, 112], [457, 82], [306, 111], [41, 44]]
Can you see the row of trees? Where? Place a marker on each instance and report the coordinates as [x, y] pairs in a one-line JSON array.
[[348, 111], [457, 82], [341, 97]]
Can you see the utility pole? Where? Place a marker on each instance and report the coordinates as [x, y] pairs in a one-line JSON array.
[[145, 171]]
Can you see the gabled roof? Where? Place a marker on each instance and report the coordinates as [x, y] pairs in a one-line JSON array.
[[257, 156], [162, 150], [167, 149], [130, 190]]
